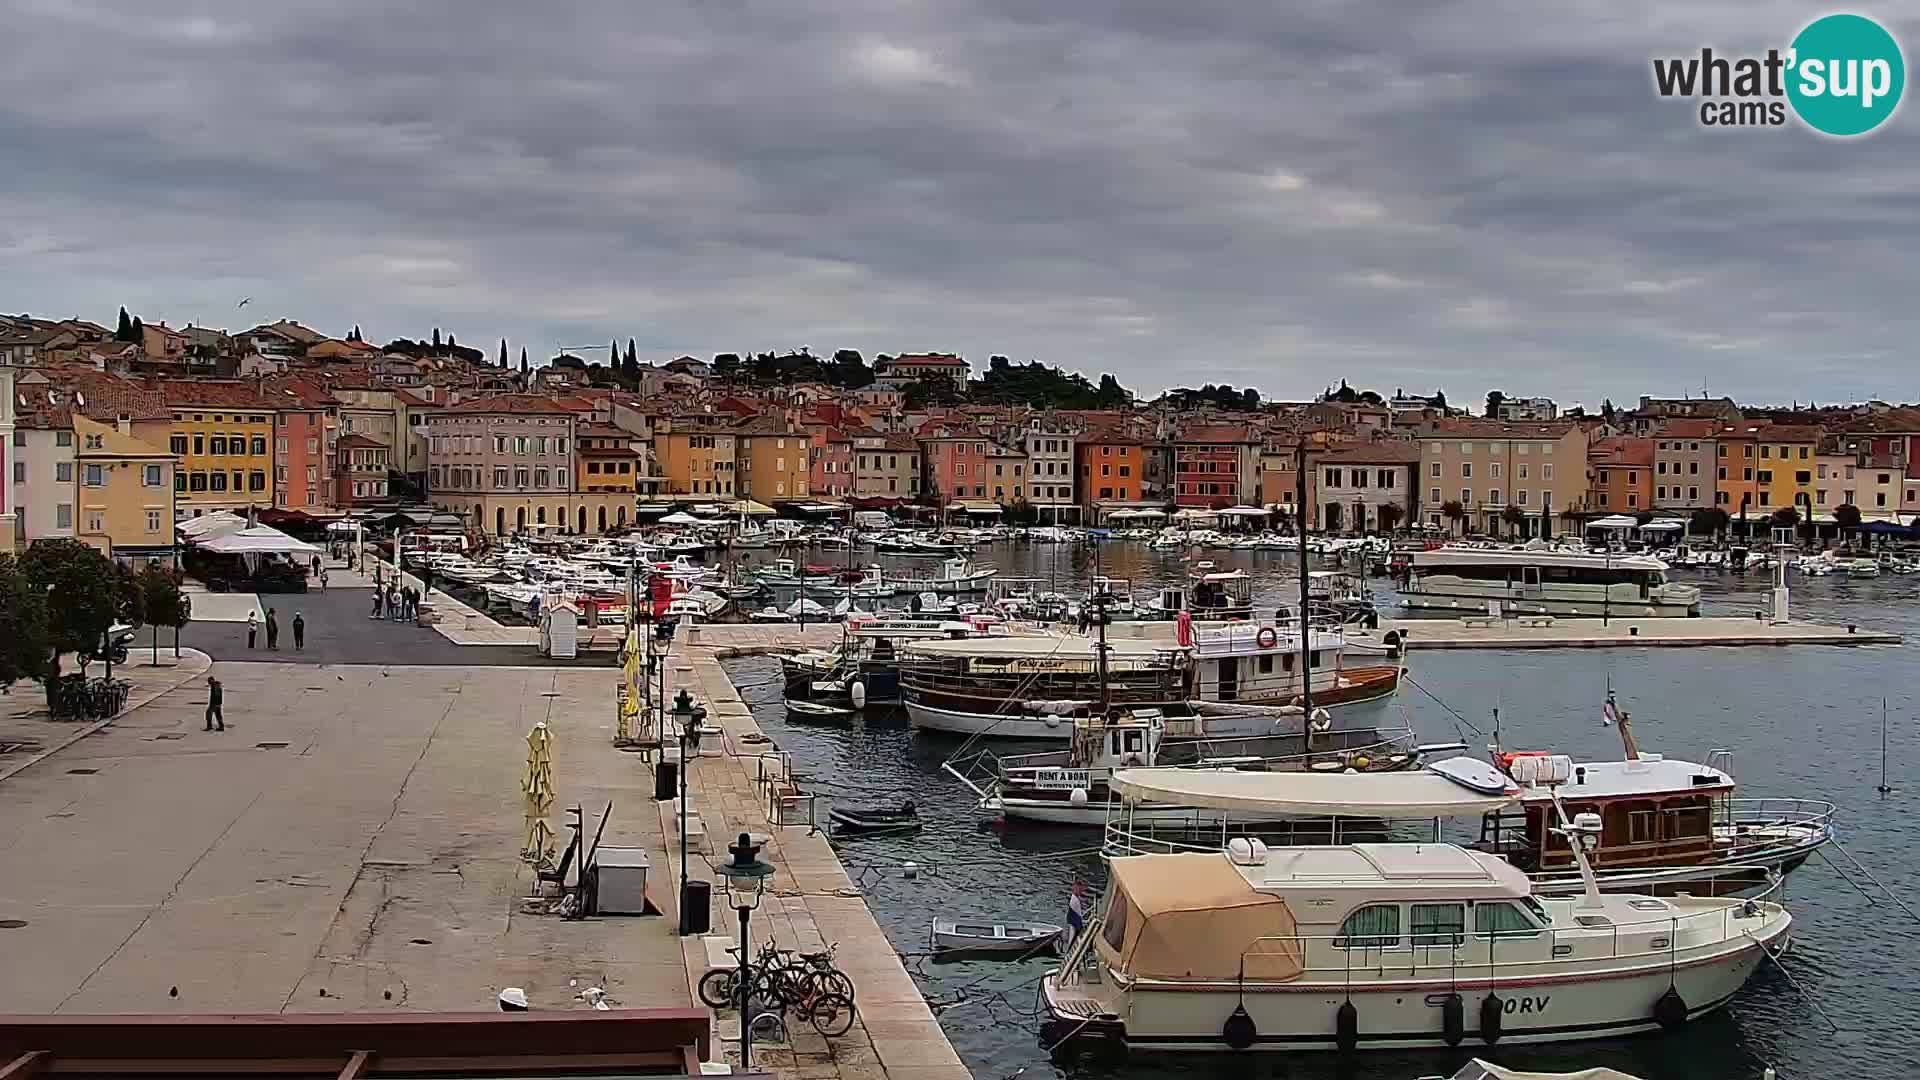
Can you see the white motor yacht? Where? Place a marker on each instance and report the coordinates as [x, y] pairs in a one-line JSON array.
[[1388, 945]]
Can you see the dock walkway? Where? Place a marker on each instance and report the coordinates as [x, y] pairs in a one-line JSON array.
[[1621, 633]]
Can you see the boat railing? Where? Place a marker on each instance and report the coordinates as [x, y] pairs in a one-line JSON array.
[[1474, 953], [1757, 824]]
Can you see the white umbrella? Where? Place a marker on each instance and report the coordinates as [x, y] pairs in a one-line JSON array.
[[259, 540], [679, 517], [210, 524]]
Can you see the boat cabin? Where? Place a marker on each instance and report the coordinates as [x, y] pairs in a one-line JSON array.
[[1653, 812]]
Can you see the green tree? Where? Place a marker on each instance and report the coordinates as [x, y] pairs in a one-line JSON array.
[[1847, 516], [1022, 512], [1388, 515], [1495, 399], [354, 334], [164, 603], [849, 370], [1708, 521], [85, 594], [503, 352], [451, 344], [1110, 394], [924, 392], [123, 331], [1454, 513], [1785, 518], [726, 365], [523, 359], [633, 356], [24, 648], [138, 331], [436, 339], [1514, 517]]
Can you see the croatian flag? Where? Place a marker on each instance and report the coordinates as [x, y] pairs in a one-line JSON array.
[[1609, 713], [1077, 906]]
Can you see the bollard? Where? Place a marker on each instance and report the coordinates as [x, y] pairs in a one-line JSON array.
[[1633, 631]]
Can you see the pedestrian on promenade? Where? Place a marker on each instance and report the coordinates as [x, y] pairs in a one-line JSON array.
[[316, 566], [216, 695], [253, 626], [323, 579], [378, 596], [273, 630], [299, 631]]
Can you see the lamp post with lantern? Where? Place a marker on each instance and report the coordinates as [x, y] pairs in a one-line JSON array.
[[687, 716], [746, 882]]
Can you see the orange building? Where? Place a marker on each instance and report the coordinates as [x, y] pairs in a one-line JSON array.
[[1736, 461], [304, 435], [1111, 471], [1620, 471]]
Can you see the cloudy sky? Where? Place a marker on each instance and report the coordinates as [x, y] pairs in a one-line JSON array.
[[1448, 194]]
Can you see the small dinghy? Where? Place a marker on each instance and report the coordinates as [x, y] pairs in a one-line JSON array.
[[875, 820], [813, 710], [1011, 941]]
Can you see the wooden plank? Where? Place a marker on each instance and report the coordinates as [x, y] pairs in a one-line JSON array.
[[356, 1066], [25, 1065]]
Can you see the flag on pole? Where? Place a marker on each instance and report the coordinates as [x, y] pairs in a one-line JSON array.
[[1077, 906], [1609, 713]]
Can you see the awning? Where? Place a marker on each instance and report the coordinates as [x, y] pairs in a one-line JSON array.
[[680, 517], [1663, 526], [1614, 521], [210, 524], [259, 540], [1195, 916], [975, 508], [1246, 511], [1371, 795]]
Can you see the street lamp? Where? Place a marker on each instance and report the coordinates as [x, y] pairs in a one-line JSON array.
[[746, 881], [688, 716]]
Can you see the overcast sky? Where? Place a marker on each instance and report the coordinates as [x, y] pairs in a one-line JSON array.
[[1457, 195]]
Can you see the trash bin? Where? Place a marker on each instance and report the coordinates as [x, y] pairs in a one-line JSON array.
[[666, 780], [696, 907]]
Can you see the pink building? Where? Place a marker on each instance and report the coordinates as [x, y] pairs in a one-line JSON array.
[[506, 463], [956, 465]]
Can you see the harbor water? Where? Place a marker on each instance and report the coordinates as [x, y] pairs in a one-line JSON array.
[[1801, 722]]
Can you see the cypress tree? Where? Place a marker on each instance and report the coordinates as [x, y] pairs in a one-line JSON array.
[[139, 331], [124, 331], [436, 339], [523, 359], [503, 352]]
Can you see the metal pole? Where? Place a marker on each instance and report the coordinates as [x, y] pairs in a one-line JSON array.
[[1306, 636], [746, 996], [686, 919]]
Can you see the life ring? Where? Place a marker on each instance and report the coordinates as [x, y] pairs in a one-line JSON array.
[[1266, 638]]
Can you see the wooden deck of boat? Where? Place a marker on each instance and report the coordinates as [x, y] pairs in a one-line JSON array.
[[1560, 633]]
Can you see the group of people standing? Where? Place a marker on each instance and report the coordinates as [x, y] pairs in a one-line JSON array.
[[273, 629], [396, 602]]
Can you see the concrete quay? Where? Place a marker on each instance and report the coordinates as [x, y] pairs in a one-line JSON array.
[[351, 843], [1518, 633]]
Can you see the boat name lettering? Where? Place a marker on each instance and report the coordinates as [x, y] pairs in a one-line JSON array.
[[1536, 1004], [1055, 779]]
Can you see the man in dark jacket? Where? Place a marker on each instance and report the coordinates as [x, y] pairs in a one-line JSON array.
[[216, 696], [299, 631], [273, 629]]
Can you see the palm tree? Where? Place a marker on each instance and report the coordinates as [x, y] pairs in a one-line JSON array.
[[1453, 512], [1514, 517]]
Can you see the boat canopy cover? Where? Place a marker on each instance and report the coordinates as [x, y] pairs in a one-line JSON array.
[[1487, 1070], [1194, 916], [1373, 795]]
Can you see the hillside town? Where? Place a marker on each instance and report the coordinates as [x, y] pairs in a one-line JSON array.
[[113, 435]]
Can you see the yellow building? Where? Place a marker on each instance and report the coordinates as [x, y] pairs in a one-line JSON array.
[[696, 457], [223, 440], [1784, 466], [126, 495], [774, 460]]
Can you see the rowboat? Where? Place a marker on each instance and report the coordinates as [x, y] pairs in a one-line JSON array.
[[1019, 940]]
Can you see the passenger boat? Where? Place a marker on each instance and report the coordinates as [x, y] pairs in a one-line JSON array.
[[868, 655], [1537, 580], [1072, 786], [1387, 945], [952, 938], [1033, 687]]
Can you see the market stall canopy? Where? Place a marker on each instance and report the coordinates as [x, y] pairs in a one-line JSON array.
[[259, 540], [975, 508], [343, 526], [1195, 916], [1614, 521], [1150, 513], [748, 506], [210, 524], [1668, 525], [1387, 795], [1246, 511], [680, 517], [1118, 515]]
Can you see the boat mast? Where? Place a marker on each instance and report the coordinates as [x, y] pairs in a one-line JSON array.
[[1306, 644], [1100, 620]]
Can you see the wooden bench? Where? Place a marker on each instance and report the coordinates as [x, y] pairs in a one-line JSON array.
[[1481, 623], [1536, 621]]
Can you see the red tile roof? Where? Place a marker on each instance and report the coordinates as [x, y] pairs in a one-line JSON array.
[[1478, 428], [1688, 429], [533, 404], [1215, 433], [214, 394], [356, 441], [1624, 450], [1395, 452], [929, 359]]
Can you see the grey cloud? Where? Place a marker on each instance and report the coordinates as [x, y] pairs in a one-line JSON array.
[[1459, 195]]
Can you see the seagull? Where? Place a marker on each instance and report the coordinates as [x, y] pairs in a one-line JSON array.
[[244, 301]]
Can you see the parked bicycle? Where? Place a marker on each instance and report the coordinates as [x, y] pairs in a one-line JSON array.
[[805, 984]]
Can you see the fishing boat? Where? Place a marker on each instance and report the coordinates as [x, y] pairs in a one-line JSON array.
[[1209, 595], [813, 710], [873, 820], [957, 575], [953, 938], [868, 656], [1539, 580], [1387, 946]]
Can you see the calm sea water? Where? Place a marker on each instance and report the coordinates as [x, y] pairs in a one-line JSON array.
[[1801, 722]]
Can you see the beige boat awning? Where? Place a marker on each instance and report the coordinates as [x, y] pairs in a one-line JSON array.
[[1372, 795]]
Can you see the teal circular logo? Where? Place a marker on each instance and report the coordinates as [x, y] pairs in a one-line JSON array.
[[1846, 75]]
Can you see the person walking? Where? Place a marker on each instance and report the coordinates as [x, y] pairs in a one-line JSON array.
[[253, 626], [216, 696], [273, 630], [323, 579], [299, 631], [378, 596]]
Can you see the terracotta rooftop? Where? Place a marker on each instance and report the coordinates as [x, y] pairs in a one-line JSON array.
[[214, 394], [1683, 428], [1214, 433], [928, 359], [529, 404], [1478, 428], [1390, 452], [1897, 421], [356, 441], [1622, 450]]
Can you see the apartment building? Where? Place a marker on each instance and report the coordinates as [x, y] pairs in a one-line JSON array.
[[1215, 465], [507, 463], [1487, 465], [884, 466], [360, 471], [1112, 470], [223, 436], [774, 463], [1784, 470], [9, 523], [697, 455], [955, 462], [1354, 483], [305, 433], [1620, 474], [125, 492], [1736, 488], [1684, 464], [1049, 445], [898, 371]]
